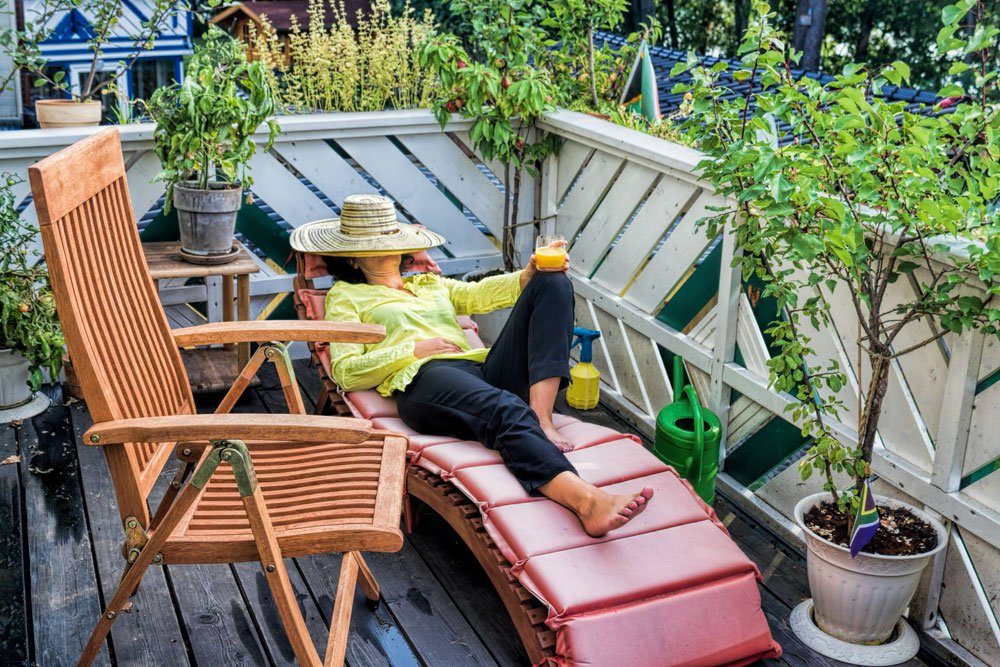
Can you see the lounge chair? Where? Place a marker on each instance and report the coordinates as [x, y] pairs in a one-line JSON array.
[[252, 487], [670, 588]]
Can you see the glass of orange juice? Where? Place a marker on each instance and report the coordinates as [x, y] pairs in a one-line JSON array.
[[550, 252]]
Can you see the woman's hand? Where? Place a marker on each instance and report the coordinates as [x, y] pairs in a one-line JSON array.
[[532, 268], [428, 348]]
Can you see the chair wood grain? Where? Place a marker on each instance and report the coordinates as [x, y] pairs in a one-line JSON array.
[[268, 487]]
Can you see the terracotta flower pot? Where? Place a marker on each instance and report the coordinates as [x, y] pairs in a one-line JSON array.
[[860, 600], [67, 113]]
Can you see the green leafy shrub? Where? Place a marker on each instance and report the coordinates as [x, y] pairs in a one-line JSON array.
[[210, 119], [28, 320], [865, 195]]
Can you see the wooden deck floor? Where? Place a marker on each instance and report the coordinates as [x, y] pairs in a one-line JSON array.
[[59, 560]]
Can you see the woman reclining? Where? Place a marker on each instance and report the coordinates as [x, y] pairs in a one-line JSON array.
[[504, 396]]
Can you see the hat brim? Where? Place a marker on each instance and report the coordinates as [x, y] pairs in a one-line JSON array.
[[324, 237]]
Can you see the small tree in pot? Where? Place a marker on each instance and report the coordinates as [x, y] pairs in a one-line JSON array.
[[30, 338], [858, 194], [207, 124]]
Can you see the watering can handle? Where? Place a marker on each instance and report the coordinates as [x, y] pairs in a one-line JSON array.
[[699, 433]]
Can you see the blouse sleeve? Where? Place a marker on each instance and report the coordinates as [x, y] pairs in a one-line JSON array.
[[485, 296], [351, 366]]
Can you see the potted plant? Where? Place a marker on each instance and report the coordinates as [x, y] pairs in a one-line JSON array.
[[858, 194], [30, 338], [204, 126], [81, 104]]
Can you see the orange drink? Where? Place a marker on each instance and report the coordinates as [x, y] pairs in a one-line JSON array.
[[550, 253]]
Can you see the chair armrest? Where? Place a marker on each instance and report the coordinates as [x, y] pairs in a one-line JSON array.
[[202, 428], [262, 331]]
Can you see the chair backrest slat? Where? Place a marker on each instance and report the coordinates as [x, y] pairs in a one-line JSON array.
[[116, 331]]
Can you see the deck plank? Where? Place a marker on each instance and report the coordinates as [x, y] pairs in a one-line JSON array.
[[149, 632], [469, 587], [375, 639], [13, 595], [65, 601]]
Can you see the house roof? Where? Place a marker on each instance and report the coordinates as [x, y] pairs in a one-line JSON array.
[[664, 59], [280, 12]]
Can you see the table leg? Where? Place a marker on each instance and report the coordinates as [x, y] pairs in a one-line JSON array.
[[228, 305], [243, 313]]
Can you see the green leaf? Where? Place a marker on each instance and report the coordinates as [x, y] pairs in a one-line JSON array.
[[951, 90]]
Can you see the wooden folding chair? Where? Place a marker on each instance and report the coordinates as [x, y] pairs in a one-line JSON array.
[[250, 487]]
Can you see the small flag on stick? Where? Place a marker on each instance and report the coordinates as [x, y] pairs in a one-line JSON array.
[[865, 521], [641, 94]]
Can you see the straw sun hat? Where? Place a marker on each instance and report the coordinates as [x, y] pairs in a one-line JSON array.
[[367, 227]]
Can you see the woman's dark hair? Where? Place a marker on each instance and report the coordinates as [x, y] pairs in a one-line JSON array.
[[341, 269]]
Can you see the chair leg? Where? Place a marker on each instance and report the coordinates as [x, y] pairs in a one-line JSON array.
[[278, 354], [133, 575], [322, 401], [340, 618], [367, 580], [277, 579]]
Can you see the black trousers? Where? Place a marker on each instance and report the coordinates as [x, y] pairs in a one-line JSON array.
[[489, 402]]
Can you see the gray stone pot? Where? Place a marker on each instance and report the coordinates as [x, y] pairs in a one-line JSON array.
[[207, 218], [17, 401]]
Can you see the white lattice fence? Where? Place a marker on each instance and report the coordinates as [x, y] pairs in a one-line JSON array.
[[629, 204], [433, 176]]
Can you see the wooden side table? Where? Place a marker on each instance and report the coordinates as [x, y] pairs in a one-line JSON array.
[[215, 368]]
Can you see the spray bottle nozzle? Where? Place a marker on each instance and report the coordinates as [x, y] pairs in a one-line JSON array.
[[585, 339]]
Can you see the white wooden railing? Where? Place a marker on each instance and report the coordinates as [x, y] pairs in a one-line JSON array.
[[650, 280], [629, 203]]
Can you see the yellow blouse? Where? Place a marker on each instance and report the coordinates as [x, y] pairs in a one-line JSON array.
[[426, 308]]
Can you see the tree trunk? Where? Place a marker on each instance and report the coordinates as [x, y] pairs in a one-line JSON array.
[[508, 244], [865, 31], [877, 386], [741, 10], [591, 68], [672, 24], [810, 27], [641, 10]]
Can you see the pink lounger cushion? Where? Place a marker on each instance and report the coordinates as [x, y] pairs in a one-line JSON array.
[[537, 528], [670, 588], [720, 623]]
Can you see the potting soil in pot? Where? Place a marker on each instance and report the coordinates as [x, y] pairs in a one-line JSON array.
[[900, 533]]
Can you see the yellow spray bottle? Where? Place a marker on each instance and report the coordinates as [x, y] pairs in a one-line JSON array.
[[585, 381]]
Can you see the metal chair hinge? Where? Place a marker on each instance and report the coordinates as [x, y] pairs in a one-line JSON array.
[[135, 538]]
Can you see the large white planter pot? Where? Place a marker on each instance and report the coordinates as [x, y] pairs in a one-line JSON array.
[[861, 600], [17, 401]]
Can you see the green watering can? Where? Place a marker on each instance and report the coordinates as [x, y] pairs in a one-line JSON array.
[[687, 437]]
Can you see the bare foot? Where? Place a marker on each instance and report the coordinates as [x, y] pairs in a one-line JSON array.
[[610, 511], [557, 439]]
